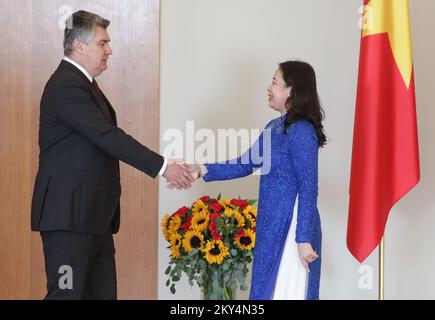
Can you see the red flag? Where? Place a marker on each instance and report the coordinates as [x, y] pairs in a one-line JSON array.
[[385, 159]]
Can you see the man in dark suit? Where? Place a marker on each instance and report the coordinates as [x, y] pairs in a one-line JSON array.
[[75, 203]]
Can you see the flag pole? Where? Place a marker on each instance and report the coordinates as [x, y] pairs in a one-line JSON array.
[[381, 268]]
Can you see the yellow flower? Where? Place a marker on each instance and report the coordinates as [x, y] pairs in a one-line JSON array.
[[200, 221], [252, 222], [216, 251], [229, 212], [199, 206], [175, 240], [174, 224], [239, 219], [165, 229], [247, 241], [193, 239], [175, 252], [250, 211], [250, 214], [224, 203]]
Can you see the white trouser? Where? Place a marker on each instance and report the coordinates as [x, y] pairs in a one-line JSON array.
[[292, 280]]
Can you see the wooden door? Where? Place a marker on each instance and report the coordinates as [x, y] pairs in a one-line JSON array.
[[32, 39]]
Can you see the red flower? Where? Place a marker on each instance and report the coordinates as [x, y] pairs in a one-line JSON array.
[[186, 226], [216, 207], [215, 235], [205, 199], [240, 234], [182, 211], [239, 203], [212, 226], [214, 216]]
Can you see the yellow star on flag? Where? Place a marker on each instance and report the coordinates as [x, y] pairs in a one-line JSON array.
[[392, 17]]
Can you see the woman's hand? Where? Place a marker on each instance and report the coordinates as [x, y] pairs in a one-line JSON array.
[[307, 254], [196, 170]]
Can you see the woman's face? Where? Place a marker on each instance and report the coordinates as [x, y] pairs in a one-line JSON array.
[[278, 93]]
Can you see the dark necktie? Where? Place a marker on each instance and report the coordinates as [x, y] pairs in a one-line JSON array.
[[95, 84], [97, 88]]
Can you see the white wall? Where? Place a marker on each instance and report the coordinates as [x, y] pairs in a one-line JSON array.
[[217, 59]]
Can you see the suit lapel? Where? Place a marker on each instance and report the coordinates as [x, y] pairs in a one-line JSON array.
[[102, 104], [101, 101], [110, 108]]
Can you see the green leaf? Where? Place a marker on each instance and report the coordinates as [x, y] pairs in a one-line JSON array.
[[244, 287], [252, 202], [233, 252], [175, 278], [238, 274], [172, 289], [219, 196], [168, 270], [202, 264], [168, 283], [216, 284], [219, 292], [215, 276]]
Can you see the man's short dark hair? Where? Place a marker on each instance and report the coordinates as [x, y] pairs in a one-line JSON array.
[[81, 25]]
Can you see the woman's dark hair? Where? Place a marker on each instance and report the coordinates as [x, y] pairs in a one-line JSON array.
[[303, 102]]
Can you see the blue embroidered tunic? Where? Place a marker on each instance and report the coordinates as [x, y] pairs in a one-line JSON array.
[[289, 169]]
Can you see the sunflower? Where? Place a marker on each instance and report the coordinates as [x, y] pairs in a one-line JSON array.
[[239, 219], [193, 240], [175, 240], [200, 221], [250, 211], [252, 222], [216, 251], [199, 206], [247, 240], [165, 229], [175, 252], [174, 224], [250, 214]]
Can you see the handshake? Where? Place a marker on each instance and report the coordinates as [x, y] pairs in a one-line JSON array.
[[180, 175]]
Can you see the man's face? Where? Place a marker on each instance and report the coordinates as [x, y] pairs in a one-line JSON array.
[[95, 55]]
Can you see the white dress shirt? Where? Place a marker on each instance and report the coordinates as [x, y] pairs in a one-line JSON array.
[[91, 79], [85, 72]]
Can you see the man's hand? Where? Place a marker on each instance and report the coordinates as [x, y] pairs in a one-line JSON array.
[[178, 175]]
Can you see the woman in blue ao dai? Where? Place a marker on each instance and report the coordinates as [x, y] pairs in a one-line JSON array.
[[287, 257]]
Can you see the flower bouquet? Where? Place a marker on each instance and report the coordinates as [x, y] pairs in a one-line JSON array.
[[212, 242]]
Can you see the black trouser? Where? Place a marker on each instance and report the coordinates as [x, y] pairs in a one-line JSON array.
[[79, 266]]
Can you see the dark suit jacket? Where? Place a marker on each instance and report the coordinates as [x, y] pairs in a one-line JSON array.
[[77, 187]]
